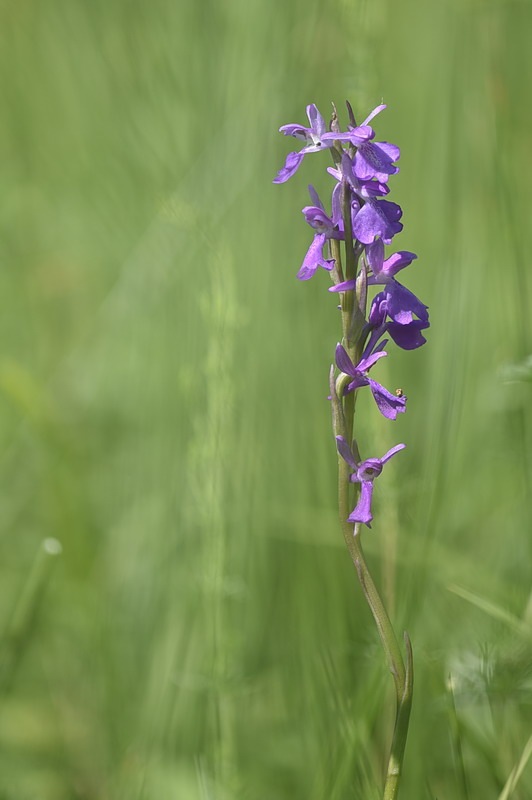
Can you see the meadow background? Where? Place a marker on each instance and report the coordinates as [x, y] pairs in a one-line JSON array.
[[163, 410]]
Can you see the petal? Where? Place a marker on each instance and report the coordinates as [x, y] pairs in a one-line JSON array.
[[408, 337], [377, 312], [397, 262], [357, 136], [373, 189], [375, 255], [402, 304], [366, 363], [336, 201], [317, 123], [314, 196], [372, 161], [388, 404], [318, 219], [377, 219], [345, 286], [369, 469], [392, 452], [391, 150], [345, 451], [291, 165], [374, 113], [314, 258], [344, 363], [362, 511], [298, 131]]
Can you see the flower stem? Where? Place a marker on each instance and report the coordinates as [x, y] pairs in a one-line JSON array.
[[402, 674]]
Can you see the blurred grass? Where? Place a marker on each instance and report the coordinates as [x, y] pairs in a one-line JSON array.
[[163, 412]]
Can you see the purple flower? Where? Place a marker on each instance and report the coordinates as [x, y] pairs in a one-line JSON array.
[[325, 228], [389, 405], [401, 303], [364, 473], [407, 336], [313, 136]]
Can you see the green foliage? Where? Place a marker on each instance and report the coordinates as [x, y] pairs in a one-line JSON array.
[[163, 413]]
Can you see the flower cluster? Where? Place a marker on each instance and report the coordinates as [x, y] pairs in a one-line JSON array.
[[364, 222]]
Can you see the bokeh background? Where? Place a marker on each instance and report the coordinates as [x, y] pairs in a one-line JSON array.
[[163, 412]]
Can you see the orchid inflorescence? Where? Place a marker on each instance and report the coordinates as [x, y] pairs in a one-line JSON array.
[[365, 223], [362, 222]]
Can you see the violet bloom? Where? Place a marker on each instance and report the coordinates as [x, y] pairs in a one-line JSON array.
[[390, 405], [326, 228], [313, 136], [316, 138], [407, 336], [364, 473], [401, 303]]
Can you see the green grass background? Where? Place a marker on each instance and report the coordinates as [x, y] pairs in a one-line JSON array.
[[163, 413]]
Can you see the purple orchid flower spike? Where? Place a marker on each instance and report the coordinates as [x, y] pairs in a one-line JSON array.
[[364, 473], [326, 228], [389, 405], [315, 136]]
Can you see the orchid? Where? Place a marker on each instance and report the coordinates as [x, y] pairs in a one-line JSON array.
[[350, 245], [389, 405], [364, 473]]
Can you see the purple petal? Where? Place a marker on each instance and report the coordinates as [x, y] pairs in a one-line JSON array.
[[345, 451], [291, 166], [298, 131], [345, 286], [314, 259], [369, 469], [318, 219], [317, 123], [375, 255], [374, 113], [388, 404], [373, 189], [344, 363], [368, 361], [362, 511], [408, 337], [391, 150], [397, 262], [336, 201], [402, 304], [373, 161], [392, 452], [377, 312], [357, 136], [377, 218], [314, 196]]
